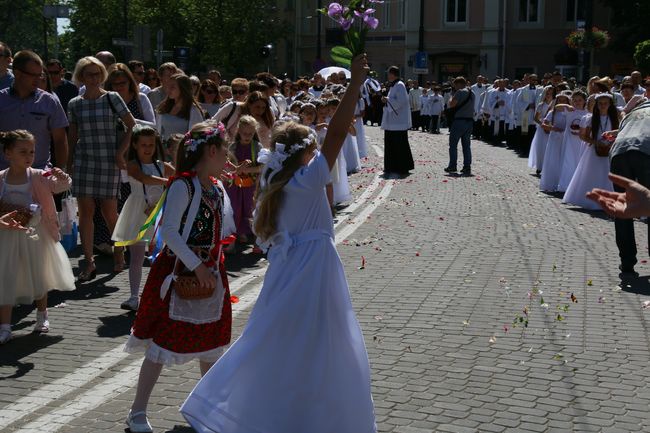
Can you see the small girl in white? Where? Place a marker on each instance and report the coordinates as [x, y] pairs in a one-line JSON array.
[[300, 365], [147, 175], [31, 264]]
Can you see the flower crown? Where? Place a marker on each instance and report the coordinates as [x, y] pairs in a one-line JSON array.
[[193, 140], [274, 159]]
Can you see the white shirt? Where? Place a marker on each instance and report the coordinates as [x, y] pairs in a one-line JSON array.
[[397, 111]]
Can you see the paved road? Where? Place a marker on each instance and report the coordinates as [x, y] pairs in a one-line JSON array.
[[450, 263]]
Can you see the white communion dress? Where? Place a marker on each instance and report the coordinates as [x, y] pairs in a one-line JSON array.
[[142, 198], [592, 172], [30, 264], [300, 365]]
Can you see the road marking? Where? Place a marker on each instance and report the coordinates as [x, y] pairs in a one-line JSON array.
[[127, 377], [88, 372]]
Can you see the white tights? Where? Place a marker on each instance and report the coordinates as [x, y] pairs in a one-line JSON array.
[[136, 262]]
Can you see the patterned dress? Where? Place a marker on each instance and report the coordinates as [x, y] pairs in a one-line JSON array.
[[182, 341], [95, 172]]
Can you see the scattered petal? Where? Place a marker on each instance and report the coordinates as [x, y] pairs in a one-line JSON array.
[[601, 299], [530, 349], [379, 318], [505, 328], [363, 263], [574, 299], [465, 322], [492, 339], [544, 306], [558, 356], [61, 305], [234, 299], [646, 305], [590, 283]]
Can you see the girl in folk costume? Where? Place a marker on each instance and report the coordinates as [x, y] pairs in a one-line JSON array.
[[147, 176], [32, 262], [245, 149], [573, 145], [170, 327], [538, 146], [300, 364], [593, 169], [554, 124]]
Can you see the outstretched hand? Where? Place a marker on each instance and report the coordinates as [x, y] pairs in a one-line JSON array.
[[359, 69], [633, 203]]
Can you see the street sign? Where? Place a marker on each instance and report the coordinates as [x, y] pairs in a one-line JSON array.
[[56, 11], [122, 42], [421, 63]]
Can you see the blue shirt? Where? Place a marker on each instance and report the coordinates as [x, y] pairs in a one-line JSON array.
[[7, 80], [39, 114]]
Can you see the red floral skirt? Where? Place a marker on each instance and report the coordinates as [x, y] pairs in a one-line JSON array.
[[152, 319]]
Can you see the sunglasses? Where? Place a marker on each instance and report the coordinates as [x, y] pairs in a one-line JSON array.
[[39, 75], [239, 92]]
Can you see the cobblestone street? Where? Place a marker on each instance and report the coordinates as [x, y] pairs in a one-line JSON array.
[[451, 263]]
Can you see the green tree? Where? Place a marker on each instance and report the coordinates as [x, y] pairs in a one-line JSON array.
[[629, 23], [223, 33], [642, 56], [22, 26]]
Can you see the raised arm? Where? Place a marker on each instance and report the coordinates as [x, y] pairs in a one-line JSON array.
[[340, 123]]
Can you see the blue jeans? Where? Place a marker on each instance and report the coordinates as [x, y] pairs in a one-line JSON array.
[[461, 130]]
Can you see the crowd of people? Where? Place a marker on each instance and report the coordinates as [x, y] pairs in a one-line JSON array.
[[160, 155], [213, 166]]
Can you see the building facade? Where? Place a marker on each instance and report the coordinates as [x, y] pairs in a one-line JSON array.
[[460, 37]]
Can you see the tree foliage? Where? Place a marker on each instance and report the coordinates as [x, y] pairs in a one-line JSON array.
[[629, 23], [22, 25], [642, 56], [223, 33]]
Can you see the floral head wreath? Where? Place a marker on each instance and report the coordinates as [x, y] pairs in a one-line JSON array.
[[194, 139], [273, 160]]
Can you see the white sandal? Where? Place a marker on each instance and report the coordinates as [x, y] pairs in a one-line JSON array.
[[42, 323], [143, 427]]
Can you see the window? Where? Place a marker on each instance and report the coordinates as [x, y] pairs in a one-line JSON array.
[[575, 10], [456, 11], [401, 13], [528, 11], [386, 14]]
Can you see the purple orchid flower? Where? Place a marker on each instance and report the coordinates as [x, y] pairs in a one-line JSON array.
[[367, 18], [334, 10]]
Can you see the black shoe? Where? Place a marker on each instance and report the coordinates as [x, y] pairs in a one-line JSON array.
[[628, 271], [451, 169], [466, 171]]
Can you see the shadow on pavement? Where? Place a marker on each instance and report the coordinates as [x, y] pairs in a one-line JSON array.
[[181, 429], [115, 326], [22, 346], [636, 285]]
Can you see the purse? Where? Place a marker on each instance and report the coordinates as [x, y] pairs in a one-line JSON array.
[[602, 149]]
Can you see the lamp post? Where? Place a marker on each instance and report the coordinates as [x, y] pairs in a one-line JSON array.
[[319, 47]]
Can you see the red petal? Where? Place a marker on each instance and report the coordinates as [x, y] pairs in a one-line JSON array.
[[234, 299]]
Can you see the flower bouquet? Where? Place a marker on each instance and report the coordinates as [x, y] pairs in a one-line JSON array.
[[580, 39], [355, 19]]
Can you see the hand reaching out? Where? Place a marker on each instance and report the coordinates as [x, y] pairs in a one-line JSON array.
[[8, 222], [633, 203]]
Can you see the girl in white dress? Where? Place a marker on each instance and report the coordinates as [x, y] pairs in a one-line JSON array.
[[31, 262], [592, 169], [538, 145], [147, 176], [300, 365], [362, 144], [554, 123], [572, 144]]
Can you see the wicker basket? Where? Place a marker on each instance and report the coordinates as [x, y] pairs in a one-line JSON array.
[[187, 287], [23, 214], [602, 149]]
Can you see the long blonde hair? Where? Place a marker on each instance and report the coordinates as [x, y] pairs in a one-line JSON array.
[[269, 199]]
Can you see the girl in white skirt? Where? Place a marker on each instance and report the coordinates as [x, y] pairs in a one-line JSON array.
[[538, 145], [573, 145], [147, 175], [32, 262], [554, 123], [592, 169], [300, 365]]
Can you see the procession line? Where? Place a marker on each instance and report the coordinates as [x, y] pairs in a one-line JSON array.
[[126, 378]]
